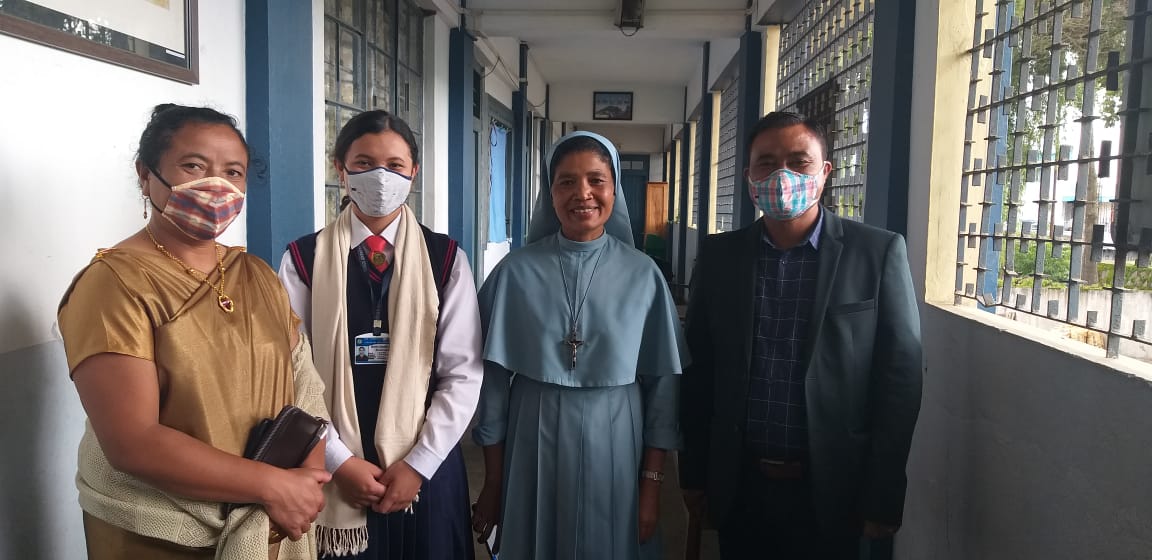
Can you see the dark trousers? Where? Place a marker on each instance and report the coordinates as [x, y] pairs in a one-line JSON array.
[[773, 519]]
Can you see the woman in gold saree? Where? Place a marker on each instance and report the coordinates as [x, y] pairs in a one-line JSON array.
[[177, 346]]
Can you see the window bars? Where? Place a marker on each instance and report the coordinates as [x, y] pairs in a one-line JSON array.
[[825, 72], [1060, 236], [727, 177]]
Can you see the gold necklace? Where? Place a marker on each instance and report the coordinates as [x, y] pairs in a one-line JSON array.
[[222, 300]]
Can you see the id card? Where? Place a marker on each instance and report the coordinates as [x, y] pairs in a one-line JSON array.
[[370, 349]]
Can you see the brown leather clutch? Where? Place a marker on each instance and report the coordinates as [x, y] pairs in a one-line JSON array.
[[284, 441]]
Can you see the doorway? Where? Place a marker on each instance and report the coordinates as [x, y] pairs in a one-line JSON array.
[[634, 183]]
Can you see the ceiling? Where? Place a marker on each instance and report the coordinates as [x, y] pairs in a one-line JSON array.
[[577, 41]]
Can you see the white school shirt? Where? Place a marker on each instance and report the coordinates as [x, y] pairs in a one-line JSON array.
[[459, 368]]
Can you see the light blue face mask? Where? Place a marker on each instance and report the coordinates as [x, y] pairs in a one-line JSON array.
[[784, 194], [378, 192]]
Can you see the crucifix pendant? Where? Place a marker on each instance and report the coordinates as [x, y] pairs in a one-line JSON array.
[[574, 343]]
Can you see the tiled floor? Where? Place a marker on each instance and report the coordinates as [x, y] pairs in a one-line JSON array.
[[672, 519]]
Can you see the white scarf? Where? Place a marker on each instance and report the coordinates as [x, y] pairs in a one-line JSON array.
[[413, 310]]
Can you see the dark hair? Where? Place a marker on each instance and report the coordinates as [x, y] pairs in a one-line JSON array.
[[784, 119], [167, 119], [577, 144], [373, 122]]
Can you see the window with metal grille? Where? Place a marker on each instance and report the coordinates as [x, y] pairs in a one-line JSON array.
[[726, 173], [826, 70], [1055, 208], [373, 59], [699, 175]]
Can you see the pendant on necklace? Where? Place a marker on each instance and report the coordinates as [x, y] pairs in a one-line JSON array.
[[226, 303], [574, 343]]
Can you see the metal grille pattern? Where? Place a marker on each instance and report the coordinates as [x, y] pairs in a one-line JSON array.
[[726, 157], [697, 176], [825, 72], [1053, 223]]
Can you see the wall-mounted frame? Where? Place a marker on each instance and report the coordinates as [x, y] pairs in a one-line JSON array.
[[612, 105], [158, 37]]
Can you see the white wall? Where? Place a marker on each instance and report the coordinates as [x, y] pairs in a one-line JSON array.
[[720, 54], [629, 139], [692, 93], [436, 49], [321, 160], [537, 87], [500, 57], [70, 129], [693, 238], [656, 169], [651, 104], [1025, 448], [67, 152]]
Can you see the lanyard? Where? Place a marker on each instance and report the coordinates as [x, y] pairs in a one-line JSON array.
[[385, 282]]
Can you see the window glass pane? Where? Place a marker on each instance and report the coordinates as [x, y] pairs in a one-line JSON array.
[[416, 203], [350, 57], [416, 41], [335, 118], [343, 10], [402, 89], [416, 197], [402, 26], [332, 196], [331, 129], [415, 102], [382, 24], [381, 81], [330, 59]]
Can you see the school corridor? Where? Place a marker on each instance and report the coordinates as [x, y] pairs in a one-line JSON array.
[[1008, 141]]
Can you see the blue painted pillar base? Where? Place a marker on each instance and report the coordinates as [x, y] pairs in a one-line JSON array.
[[278, 62]]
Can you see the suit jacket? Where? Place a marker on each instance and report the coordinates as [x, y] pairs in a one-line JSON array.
[[863, 372]]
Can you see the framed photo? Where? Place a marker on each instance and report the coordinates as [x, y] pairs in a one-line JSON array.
[[157, 37], [612, 105]]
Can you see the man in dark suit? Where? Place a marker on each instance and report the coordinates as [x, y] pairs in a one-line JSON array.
[[799, 406]]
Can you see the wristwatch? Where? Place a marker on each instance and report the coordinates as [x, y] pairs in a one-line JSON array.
[[652, 475]]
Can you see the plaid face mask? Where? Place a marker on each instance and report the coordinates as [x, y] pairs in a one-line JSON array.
[[784, 194], [203, 208]]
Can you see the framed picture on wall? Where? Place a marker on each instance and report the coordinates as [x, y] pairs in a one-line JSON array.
[[157, 37], [612, 105]]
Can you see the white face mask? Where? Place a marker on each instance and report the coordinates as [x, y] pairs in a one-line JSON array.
[[378, 192]]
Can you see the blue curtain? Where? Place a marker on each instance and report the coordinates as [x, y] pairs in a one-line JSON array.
[[498, 181]]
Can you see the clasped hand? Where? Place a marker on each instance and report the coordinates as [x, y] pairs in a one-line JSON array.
[[364, 484], [293, 499]]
